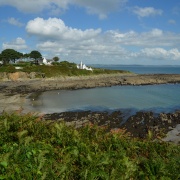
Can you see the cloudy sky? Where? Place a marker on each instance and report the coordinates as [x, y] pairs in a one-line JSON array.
[[95, 31]]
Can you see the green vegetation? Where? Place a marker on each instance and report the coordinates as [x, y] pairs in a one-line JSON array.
[[9, 54], [35, 55], [63, 68], [56, 58], [31, 148]]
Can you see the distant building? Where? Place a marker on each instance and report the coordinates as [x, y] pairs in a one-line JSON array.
[[83, 66], [45, 61]]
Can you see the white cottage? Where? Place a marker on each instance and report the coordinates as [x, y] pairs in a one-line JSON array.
[[83, 66], [45, 62]]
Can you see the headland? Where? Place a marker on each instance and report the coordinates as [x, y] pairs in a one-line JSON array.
[[27, 85]]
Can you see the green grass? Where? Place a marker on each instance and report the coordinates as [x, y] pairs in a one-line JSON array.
[[58, 69], [34, 149]]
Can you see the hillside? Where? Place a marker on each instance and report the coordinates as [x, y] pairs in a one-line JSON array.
[[58, 69]]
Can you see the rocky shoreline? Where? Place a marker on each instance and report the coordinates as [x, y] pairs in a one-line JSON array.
[[138, 125], [13, 94], [22, 86]]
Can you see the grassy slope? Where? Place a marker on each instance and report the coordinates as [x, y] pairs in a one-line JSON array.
[[35, 149], [59, 69]]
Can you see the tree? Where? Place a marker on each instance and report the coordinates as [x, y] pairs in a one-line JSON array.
[[8, 55], [56, 58], [26, 55], [19, 55], [35, 55]]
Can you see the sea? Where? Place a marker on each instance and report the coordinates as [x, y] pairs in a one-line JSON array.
[[128, 99]]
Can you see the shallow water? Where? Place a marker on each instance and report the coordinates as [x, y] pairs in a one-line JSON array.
[[129, 99], [158, 98]]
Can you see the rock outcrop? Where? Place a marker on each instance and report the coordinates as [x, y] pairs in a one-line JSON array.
[[31, 84], [138, 125]]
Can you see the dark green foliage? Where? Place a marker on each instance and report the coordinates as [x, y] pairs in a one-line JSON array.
[[56, 58], [26, 55], [8, 68], [8, 55], [35, 54], [31, 148]]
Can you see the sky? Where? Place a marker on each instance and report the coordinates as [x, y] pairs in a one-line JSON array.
[[145, 32]]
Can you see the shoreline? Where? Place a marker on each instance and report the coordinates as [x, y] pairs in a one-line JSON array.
[[24, 86], [137, 125], [13, 94]]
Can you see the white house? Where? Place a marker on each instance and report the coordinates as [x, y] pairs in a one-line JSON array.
[[83, 66], [44, 61]]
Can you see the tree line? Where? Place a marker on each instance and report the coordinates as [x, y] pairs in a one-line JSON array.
[[8, 55]]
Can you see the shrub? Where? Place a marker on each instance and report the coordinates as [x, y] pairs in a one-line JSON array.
[[31, 148]]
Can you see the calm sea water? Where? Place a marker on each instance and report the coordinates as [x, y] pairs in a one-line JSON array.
[[158, 98]]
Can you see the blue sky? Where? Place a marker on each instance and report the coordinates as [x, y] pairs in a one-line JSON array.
[[94, 31]]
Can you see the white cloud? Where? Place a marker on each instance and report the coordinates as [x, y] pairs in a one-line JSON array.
[[153, 38], [54, 28], [160, 53], [100, 7], [146, 11], [54, 37], [156, 33], [17, 44], [14, 22]]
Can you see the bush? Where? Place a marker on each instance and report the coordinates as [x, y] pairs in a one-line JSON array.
[[31, 148], [8, 69]]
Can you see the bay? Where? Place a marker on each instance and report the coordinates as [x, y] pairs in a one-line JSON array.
[[156, 98], [152, 97]]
